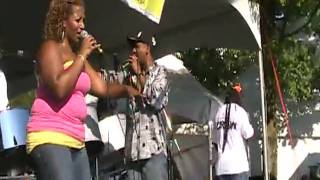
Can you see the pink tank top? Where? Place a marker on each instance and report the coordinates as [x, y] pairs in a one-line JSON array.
[[65, 117]]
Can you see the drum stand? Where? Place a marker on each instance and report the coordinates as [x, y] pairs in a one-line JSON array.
[[94, 170], [172, 141], [170, 160]]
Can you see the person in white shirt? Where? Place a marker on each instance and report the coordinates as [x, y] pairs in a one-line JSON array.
[[231, 131], [3, 92]]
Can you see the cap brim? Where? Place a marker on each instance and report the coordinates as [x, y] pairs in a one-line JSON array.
[[132, 40]]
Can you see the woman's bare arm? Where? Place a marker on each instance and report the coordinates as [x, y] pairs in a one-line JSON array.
[[51, 72]]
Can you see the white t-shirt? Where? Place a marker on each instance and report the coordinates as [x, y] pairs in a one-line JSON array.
[[3, 92], [234, 159]]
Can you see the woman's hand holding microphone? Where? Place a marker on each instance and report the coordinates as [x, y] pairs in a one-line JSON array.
[[88, 45]]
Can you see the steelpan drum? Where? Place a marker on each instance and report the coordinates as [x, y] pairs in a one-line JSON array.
[[13, 125], [94, 144], [113, 130]]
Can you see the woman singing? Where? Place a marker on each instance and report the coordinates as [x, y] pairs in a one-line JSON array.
[[55, 132]]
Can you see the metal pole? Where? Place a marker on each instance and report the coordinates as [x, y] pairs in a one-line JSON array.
[[97, 168], [263, 111]]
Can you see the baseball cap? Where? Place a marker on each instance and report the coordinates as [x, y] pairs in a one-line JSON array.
[[142, 36]]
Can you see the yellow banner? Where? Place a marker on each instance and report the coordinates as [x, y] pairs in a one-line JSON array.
[[150, 8]]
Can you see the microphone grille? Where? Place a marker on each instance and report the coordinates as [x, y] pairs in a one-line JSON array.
[[84, 33]]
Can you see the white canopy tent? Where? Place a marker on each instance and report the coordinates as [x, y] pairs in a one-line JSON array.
[[189, 101], [184, 24]]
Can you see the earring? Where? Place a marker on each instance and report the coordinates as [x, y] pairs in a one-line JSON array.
[[62, 35]]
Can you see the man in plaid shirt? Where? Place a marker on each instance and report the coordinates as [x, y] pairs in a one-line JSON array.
[[146, 147]]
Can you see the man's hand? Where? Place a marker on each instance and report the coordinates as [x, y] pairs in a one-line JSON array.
[[133, 60], [132, 92]]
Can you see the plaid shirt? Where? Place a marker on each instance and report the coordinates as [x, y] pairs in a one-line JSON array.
[[145, 131]]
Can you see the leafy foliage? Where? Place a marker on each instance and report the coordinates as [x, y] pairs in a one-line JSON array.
[[296, 69], [289, 25], [284, 23], [219, 68], [24, 100]]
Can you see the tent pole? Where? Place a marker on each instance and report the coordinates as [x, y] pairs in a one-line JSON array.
[[263, 110]]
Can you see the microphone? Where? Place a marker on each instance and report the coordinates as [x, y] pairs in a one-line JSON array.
[[84, 34], [115, 62], [126, 69], [125, 65]]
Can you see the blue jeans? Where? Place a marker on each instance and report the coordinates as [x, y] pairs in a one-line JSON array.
[[155, 168], [55, 162], [240, 176]]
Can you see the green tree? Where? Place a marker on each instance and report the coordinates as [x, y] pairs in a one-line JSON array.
[[286, 26], [219, 68]]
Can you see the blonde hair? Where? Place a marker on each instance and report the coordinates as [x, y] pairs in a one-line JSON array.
[[59, 10]]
